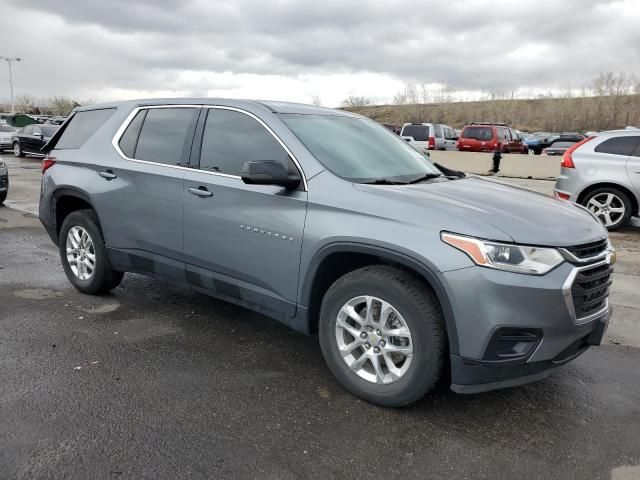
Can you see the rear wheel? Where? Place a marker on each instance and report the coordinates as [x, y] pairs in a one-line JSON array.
[[610, 205], [3, 196], [84, 256], [382, 335]]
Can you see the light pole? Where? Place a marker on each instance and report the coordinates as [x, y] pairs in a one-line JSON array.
[[9, 60]]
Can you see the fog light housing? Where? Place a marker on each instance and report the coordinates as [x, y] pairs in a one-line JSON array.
[[512, 344]]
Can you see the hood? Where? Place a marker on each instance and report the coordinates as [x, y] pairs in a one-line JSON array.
[[525, 216]]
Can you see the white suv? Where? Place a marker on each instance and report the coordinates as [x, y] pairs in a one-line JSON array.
[[603, 174], [429, 136]]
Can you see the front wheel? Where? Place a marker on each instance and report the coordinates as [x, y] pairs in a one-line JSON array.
[[610, 205], [84, 256], [17, 149], [382, 335]]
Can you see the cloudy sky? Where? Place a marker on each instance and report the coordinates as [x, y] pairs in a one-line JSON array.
[[293, 50]]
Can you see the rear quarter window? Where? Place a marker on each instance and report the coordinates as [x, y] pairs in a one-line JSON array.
[[624, 146], [81, 126]]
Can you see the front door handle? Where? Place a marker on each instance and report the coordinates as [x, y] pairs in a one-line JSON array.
[[200, 192], [108, 174]]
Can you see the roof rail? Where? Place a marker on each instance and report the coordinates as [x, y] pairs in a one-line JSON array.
[[489, 123]]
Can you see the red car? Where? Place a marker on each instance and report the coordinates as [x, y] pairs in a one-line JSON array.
[[490, 137]]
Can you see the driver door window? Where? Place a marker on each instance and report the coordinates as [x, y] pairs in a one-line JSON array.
[[232, 138]]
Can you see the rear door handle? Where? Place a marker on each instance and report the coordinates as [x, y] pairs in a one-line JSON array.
[[108, 174], [200, 192]]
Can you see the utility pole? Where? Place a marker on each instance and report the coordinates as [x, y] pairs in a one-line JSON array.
[[9, 60]]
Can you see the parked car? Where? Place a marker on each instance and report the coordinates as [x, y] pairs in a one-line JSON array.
[[537, 146], [328, 222], [429, 136], [30, 139], [393, 127], [6, 132], [603, 174], [4, 180], [490, 137], [558, 147]]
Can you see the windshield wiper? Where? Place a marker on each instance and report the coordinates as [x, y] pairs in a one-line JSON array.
[[383, 181], [423, 178]]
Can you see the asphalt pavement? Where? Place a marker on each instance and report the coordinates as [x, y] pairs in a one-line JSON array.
[[156, 381]]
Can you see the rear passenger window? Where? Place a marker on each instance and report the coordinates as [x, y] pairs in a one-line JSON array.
[[232, 138], [163, 137], [619, 146], [81, 126]]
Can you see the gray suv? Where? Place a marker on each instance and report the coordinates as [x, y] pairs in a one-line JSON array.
[[330, 223], [603, 174]]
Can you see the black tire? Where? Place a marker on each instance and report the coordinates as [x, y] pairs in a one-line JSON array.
[[421, 312], [104, 278], [3, 196], [626, 201], [17, 149]]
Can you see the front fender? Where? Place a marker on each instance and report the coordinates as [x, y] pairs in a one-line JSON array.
[[423, 268]]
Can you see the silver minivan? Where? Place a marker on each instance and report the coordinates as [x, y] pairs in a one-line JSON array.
[[430, 136], [603, 174]]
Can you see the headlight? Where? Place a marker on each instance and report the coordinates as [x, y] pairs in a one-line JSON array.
[[505, 256], [2, 162]]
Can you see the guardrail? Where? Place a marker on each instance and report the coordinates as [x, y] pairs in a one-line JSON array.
[[512, 164]]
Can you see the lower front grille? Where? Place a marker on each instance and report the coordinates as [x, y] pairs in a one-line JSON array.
[[590, 290]]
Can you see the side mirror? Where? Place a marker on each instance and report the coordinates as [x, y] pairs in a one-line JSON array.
[[37, 134], [268, 172]]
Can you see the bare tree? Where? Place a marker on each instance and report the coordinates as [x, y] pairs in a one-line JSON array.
[[355, 102], [62, 105], [26, 103]]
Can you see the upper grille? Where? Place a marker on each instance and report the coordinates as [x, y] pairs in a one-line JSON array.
[[588, 250], [590, 290]]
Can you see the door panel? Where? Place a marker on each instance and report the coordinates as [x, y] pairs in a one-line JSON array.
[[633, 170], [244, 241], [140, 199], [241, 241]]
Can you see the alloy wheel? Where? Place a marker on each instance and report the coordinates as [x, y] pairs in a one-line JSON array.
[[374, 340], [81, 253], [608, 207]]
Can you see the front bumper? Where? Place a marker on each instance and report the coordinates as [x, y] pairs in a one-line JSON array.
[[492, 306], [477, 376]]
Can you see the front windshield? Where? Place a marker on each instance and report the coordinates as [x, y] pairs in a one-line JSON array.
[[358, 149]]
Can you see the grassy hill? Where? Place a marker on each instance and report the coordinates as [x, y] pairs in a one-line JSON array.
[[547, 114]]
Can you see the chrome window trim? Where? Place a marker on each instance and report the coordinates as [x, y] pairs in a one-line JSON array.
[[118, 135], [116, 138], [273, 134], [568, 298]]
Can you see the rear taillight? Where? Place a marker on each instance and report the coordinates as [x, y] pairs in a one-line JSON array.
[[567, 157], [432, 143], [561, 195], [47, 163]]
